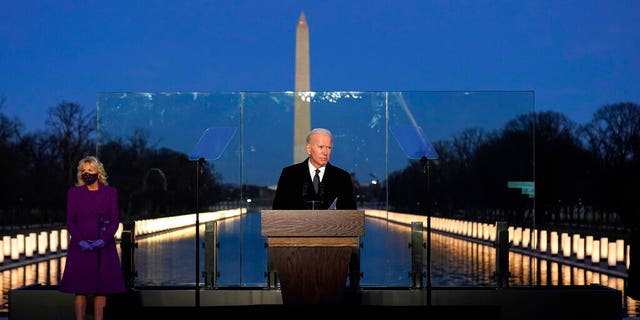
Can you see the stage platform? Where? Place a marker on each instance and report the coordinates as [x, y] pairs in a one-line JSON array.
[[548, 303]]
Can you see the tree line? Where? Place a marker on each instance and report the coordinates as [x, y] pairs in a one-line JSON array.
[[577, 168], [39, 167], [585, 175]]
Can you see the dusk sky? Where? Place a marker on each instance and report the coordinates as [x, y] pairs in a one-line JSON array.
[[576, 55]]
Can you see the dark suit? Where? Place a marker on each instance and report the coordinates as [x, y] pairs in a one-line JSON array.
[[295, 189]]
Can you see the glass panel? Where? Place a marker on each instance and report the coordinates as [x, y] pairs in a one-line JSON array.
[[147, 138], [358, 123], [479, 151], [267, 146]]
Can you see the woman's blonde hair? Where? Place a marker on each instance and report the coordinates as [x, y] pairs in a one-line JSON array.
[[95, 165]]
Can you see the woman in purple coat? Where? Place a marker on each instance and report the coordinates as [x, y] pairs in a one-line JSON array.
[[93, 265]]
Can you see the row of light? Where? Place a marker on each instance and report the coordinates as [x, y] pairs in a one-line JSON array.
[[575, 245], [151, 226], [28, 245], [560, 244], [568, 245], [48, 242]]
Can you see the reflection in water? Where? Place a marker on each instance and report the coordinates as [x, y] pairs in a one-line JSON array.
[[473, 262], [168, 259], [633, 307], [45, 272]]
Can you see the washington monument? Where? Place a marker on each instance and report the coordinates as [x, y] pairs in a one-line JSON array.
[[302, 112]]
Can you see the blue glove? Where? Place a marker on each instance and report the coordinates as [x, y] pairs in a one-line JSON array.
[[85, 245], [97, 244]]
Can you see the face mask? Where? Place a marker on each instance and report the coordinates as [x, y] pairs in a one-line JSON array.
[[89, 178]]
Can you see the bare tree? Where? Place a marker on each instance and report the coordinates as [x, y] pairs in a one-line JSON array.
[[9, 128], [562, 165], [72, 132], [9, 194], [614, 133], [613, 136]]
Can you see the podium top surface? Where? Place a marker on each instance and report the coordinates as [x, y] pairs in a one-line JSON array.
[[312, 223]]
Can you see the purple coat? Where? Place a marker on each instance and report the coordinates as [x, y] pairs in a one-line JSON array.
[[97, 271]]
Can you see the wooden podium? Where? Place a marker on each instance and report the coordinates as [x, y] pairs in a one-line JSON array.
[[312, 250]]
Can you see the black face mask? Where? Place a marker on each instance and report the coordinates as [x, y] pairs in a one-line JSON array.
[[89, 178]]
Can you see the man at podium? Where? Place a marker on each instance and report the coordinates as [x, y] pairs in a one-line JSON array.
[[332, 187]]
